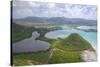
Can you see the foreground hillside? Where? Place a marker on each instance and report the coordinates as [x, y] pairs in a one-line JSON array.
[[66, 50]]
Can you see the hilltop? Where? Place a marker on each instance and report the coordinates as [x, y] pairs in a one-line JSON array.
[[74, 42]]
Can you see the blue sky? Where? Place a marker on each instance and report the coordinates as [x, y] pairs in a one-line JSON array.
[[22, 9]]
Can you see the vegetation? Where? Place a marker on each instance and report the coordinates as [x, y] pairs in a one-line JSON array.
[[73, 43], [66, 50], [36, 58], [20, 32], [61, 56]]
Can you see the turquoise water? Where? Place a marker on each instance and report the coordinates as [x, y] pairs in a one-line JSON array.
[[91, 37], [87, 27]]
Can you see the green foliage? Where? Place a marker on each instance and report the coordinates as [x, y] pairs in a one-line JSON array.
[[35, 57], [73, 43], [60, 56], [20, 32]]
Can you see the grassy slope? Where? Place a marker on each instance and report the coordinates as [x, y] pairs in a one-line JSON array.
[[36, 58], [61, 56], [73, 43]]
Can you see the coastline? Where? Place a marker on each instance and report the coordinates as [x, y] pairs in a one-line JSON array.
[[89, 56]]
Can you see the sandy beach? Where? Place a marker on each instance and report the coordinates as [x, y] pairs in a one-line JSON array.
[[89, 56]]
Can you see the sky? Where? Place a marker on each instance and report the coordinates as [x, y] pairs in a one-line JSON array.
[[23, 9]]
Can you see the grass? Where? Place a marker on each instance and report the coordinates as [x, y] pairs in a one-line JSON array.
[[73, 43], [60, 56], [35, 57]]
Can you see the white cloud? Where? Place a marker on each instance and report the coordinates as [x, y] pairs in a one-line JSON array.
[[51, 5], [43, 9], [33, 4]]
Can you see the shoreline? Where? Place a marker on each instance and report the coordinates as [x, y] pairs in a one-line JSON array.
[[89, 56]]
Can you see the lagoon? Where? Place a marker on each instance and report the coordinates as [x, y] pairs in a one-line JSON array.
[[90, 36], [30, 44], [87, 27]]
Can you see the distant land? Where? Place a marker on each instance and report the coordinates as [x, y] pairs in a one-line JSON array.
[[56, 20]]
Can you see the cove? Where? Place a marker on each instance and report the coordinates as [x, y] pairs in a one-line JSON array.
[[90, 36]]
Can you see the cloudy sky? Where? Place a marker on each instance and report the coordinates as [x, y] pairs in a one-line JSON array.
[[22, 9]]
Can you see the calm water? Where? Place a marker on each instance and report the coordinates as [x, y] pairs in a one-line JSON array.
[[87, 27], [30, 44], [91, 37]]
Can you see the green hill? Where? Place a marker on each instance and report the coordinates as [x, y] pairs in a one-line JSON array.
[[73, 43], [69, 50]]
